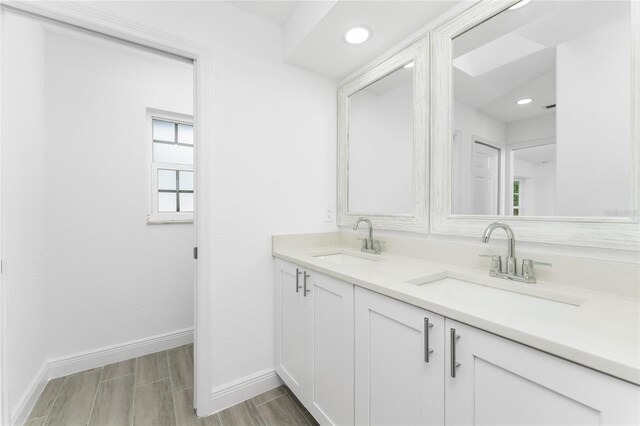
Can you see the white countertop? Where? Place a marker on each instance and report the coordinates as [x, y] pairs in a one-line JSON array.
[[602, 333]]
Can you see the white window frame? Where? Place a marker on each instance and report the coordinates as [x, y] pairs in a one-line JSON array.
[[155, 217]]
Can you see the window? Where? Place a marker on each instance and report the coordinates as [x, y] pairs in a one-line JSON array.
[[516, 198], [172, 189]]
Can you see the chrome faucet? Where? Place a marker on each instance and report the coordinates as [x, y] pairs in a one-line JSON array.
[[511, 242], [511, 272], [368, 244]]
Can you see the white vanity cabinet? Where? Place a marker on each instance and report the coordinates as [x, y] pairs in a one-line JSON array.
[[399, 362], [315, 341], [500, 382], [290, 327], [353, 356]]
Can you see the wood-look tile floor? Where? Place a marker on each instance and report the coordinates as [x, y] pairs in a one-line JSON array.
[[155, 389]]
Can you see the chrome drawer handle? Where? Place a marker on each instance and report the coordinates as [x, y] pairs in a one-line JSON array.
[[454, 363], [427, 349], [298, 272]]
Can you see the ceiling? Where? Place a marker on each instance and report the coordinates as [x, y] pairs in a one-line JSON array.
[[313, 30], [536, 155], [506, 58], [513, 55], [274, 11]]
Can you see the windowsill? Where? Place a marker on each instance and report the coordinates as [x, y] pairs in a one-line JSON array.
[[168, 221]]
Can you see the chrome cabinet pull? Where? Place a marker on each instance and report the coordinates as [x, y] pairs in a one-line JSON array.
[[454, 363], [427, 349], [298, 272], [304, 283]]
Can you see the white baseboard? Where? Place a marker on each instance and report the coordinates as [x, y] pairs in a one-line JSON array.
[[28, 400], [91, 359], [240, 390], [109, 354]]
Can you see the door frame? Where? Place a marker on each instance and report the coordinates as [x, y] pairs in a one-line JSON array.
[[509, 166], [99, 23], [481, 141]]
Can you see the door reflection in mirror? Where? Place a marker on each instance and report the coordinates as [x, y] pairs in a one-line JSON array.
[[486, 178]]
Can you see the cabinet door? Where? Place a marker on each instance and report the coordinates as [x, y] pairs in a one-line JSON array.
[[395, 385], [329, 328], [500, 382], [290, 342]]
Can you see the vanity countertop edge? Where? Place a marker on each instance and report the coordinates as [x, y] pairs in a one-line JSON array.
[[603, 333]]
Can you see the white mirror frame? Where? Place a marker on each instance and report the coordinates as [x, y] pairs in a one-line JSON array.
[[417, 219], [612, 233]]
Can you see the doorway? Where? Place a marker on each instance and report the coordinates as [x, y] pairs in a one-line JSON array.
[[486, 179], [73, 211]]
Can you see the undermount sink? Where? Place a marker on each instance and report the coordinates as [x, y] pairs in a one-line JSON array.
[[462, 286], [345, 259]]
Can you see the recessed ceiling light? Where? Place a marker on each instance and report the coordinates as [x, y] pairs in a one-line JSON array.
[[524, 101], [409, 65], [523, 3], [357, 35]]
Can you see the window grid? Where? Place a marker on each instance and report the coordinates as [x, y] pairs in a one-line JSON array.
[[175, 134], [177, 191], [169, 201]]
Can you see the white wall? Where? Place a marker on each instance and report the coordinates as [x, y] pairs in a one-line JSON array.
[[545, 189], [594, 176], [381, 151], [25, 275], [470, 125], [111, 278], [274, 154], [532, 129]]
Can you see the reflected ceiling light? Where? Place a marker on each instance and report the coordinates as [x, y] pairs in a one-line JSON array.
[[357, 35], [524, 101], [523, 3], [409, 65]]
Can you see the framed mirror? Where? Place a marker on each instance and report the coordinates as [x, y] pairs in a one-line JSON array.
[[535, 121], [382, 143]]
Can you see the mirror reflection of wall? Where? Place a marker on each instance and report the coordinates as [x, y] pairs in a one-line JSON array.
[[381, 145], [547, 86]]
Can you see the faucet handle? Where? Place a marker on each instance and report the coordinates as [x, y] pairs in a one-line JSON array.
[[496, 262], [376, 246], [528, 271], [365, 243]]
